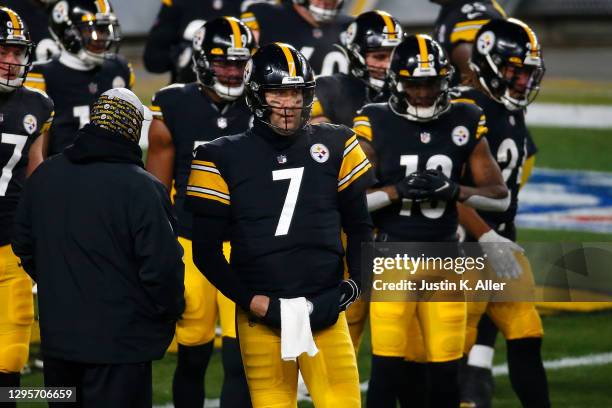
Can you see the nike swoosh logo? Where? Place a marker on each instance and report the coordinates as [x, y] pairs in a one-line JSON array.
[[446, 184]]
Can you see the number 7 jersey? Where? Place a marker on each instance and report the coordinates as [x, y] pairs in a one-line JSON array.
[[24, 115], [404, 146], [283, 203]]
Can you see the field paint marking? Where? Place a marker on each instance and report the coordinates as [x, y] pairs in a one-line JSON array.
[[558, 115]]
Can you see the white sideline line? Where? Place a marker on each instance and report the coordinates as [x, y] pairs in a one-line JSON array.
[[498, 370], [560, 115]]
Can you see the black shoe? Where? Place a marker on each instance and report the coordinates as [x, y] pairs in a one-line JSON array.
[[476, 387]]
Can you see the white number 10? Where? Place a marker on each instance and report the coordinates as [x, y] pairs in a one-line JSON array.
[[295, 180]]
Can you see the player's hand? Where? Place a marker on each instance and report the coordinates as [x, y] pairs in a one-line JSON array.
[[440, 187], [413, 187], [500, 254], [260, 305], [349, 292], [272, 317]]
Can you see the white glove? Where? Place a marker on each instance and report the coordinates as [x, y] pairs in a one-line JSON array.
[[500, 254]]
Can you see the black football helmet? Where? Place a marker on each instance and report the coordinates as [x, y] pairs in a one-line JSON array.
[[319, 13], [278, 66], [14, 33], [224, 39], [419, 78], [88, 29], [371, 31], [507, 59]]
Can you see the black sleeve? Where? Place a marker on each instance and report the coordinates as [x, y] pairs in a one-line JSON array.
[[531, 147], [160, 47], [207, 247], [357, 225], [23, 242], [158, 253]]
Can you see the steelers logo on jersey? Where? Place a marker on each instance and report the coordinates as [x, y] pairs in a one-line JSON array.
[[485, 42], [30, 124], [319, 152], [460, 135], [118, 82]]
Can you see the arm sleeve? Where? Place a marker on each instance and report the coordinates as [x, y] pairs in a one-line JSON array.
[[208, 233], [23, 243], [158, 52], [357, 225], [158, 253]]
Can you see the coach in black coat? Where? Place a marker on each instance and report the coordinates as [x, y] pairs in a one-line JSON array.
[[96, 232]]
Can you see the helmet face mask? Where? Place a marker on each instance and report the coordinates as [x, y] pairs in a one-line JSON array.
[[280, 88], [221, 49], [15, 51], [87, 29], [322, 10], [508, 63], [368, 43], [420, 77]]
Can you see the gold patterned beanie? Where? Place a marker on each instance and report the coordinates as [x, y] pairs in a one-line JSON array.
[[120, 111]]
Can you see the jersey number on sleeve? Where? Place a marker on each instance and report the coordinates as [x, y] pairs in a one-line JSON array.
[[438, 161], [295, 180], [7, 171]]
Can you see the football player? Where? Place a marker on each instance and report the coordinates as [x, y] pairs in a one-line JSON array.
[[87, 32], [34, 14], [25, 117], [282, 191], [168, 46], [508, 67], [420, 143], [456, 27], [311, 26], [221, 49], [368, 42]]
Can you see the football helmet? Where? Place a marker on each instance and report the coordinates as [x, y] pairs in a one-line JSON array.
[[321, 14], [14, 33], [278, 66], [507, 60], [88, 29], [371, 31], [419, 79], [219, 43]]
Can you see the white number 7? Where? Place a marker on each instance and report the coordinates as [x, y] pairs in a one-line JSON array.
[[295, 180], [7, 172]]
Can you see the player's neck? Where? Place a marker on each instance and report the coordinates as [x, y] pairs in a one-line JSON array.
[[305, 14], [74, 62]]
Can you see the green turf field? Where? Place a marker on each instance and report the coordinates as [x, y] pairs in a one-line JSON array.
[[567, 334]]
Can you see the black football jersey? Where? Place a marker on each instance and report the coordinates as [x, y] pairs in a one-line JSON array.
[[510, 143], [281, 23], [340, 96], [74, 91], [283, 203], [24, 114], [193, 119], [402, 147]]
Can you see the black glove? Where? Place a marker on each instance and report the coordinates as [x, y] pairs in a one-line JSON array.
[[349, 292], [273, 314], [413, 187], [325, 309], [440, 187]]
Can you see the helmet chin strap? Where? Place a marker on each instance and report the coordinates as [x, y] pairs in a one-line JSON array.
[[227, 93], [375, 83]]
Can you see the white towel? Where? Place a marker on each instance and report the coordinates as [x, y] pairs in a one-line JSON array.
[[296, 336]]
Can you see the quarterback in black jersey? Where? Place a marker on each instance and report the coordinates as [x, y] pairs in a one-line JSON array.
[[186, 116], [88, 65], [368, 42], [282, 191], [456, 27], [419, 143], [508, 67], [311, 26], [25, 117]]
